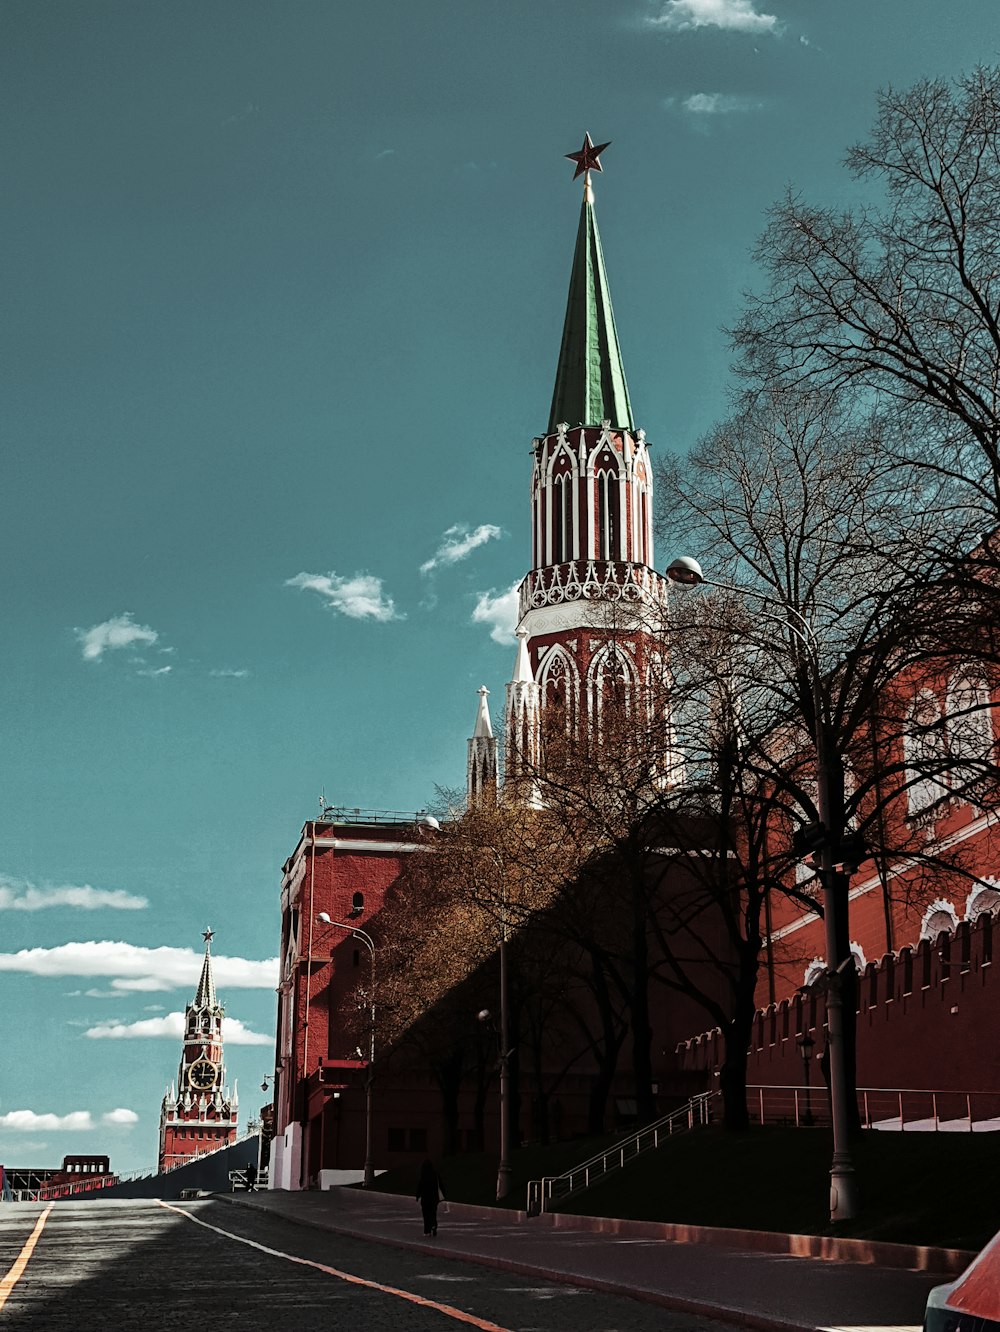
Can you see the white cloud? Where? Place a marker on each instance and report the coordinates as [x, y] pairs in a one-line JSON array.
[[229, 674], [22, 895], [171, 1026], [360, 597], [136, 968], [734, 15], [458, 542], [29, 1121], [121, 1117], [105, 994], [719, 104], [499, 611], [152, 672], [120, 631]]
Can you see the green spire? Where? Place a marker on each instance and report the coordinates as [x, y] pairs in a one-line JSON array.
[[590, 379]]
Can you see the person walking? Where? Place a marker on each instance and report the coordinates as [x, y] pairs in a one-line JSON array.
[[429, 1194], [251, 1178]]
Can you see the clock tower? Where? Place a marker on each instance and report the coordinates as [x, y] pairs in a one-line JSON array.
[[198, 1113]]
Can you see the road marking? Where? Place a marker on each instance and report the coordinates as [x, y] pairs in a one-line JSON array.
[[446, 1309], [21, 1261]]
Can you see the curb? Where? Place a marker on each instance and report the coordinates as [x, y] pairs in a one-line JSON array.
[[739, 1318], [826, 1248], [829, 1248]]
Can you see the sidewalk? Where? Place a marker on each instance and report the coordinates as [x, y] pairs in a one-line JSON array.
[[773, 1292]]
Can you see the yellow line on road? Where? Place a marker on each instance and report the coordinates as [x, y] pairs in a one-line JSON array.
[[21, 1262], [447, 1309]]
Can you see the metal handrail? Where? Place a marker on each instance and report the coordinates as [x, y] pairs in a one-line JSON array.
[[556, 1188], [923, 1108]]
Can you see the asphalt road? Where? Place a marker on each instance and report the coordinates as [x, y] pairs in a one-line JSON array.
[[123, 1266]]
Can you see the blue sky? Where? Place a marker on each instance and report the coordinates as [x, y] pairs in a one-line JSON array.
[[284, 285]]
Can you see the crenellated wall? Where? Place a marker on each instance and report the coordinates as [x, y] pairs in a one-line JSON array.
[[927, 1018]]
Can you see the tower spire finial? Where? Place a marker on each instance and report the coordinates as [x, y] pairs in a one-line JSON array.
[[205, 993], [590, 383], [588, 159]]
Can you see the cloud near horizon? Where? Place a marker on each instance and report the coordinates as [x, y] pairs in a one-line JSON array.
[[121, 631], [171, 1026], [359, 598], [499, 611], [142, 969], [76, 1121], [730, 15], [458, 542], [23, 895]]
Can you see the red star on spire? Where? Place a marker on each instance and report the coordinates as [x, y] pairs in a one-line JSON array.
[[587, 158]]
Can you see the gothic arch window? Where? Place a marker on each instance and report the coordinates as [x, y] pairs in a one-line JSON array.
[[925, 753], [563, 491], [608, 511], [660, 719], [642, 551], [611, 681], [940, 915], [970, 727], [559, 689]]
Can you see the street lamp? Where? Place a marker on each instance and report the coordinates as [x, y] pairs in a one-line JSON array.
[[843, 1185], [806, 1043], [369, 943], [503, 1169]]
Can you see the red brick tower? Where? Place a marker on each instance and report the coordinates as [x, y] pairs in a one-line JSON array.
[[199, 1113], [592, 606]]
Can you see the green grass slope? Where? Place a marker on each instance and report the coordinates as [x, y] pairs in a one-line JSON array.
[[915, 1188]]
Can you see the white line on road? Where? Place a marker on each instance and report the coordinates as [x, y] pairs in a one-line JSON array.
[[21, 1261], [446, 1309]]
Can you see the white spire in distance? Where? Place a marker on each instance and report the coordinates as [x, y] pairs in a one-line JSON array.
[[523, 721], [481, 780]]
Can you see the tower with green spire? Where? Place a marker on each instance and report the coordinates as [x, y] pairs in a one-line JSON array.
[[590, 378], [591, 608]]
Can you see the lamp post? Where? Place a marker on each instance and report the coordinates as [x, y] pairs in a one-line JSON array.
[[806, 1043], [843, 1184], [369, 943]]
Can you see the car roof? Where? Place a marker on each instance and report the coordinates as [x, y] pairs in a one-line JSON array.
[[977, 1290]]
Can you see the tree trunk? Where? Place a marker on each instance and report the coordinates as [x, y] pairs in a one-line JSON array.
[[642, 1031], [733, 1075]]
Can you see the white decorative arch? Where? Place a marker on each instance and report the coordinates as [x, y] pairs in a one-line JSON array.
[[814, 972], [985, 897], [940, 915], [816, 969]]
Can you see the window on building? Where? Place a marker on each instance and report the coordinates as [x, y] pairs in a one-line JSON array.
[[925, 753], [970, 731], [608, 515]]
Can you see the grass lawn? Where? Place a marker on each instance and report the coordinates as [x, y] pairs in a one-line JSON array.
[[915, 1188]]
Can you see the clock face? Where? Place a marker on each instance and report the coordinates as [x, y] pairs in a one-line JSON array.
[[202, 1074]]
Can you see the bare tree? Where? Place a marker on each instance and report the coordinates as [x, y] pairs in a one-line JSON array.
[[847, 570], [902, 296]]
